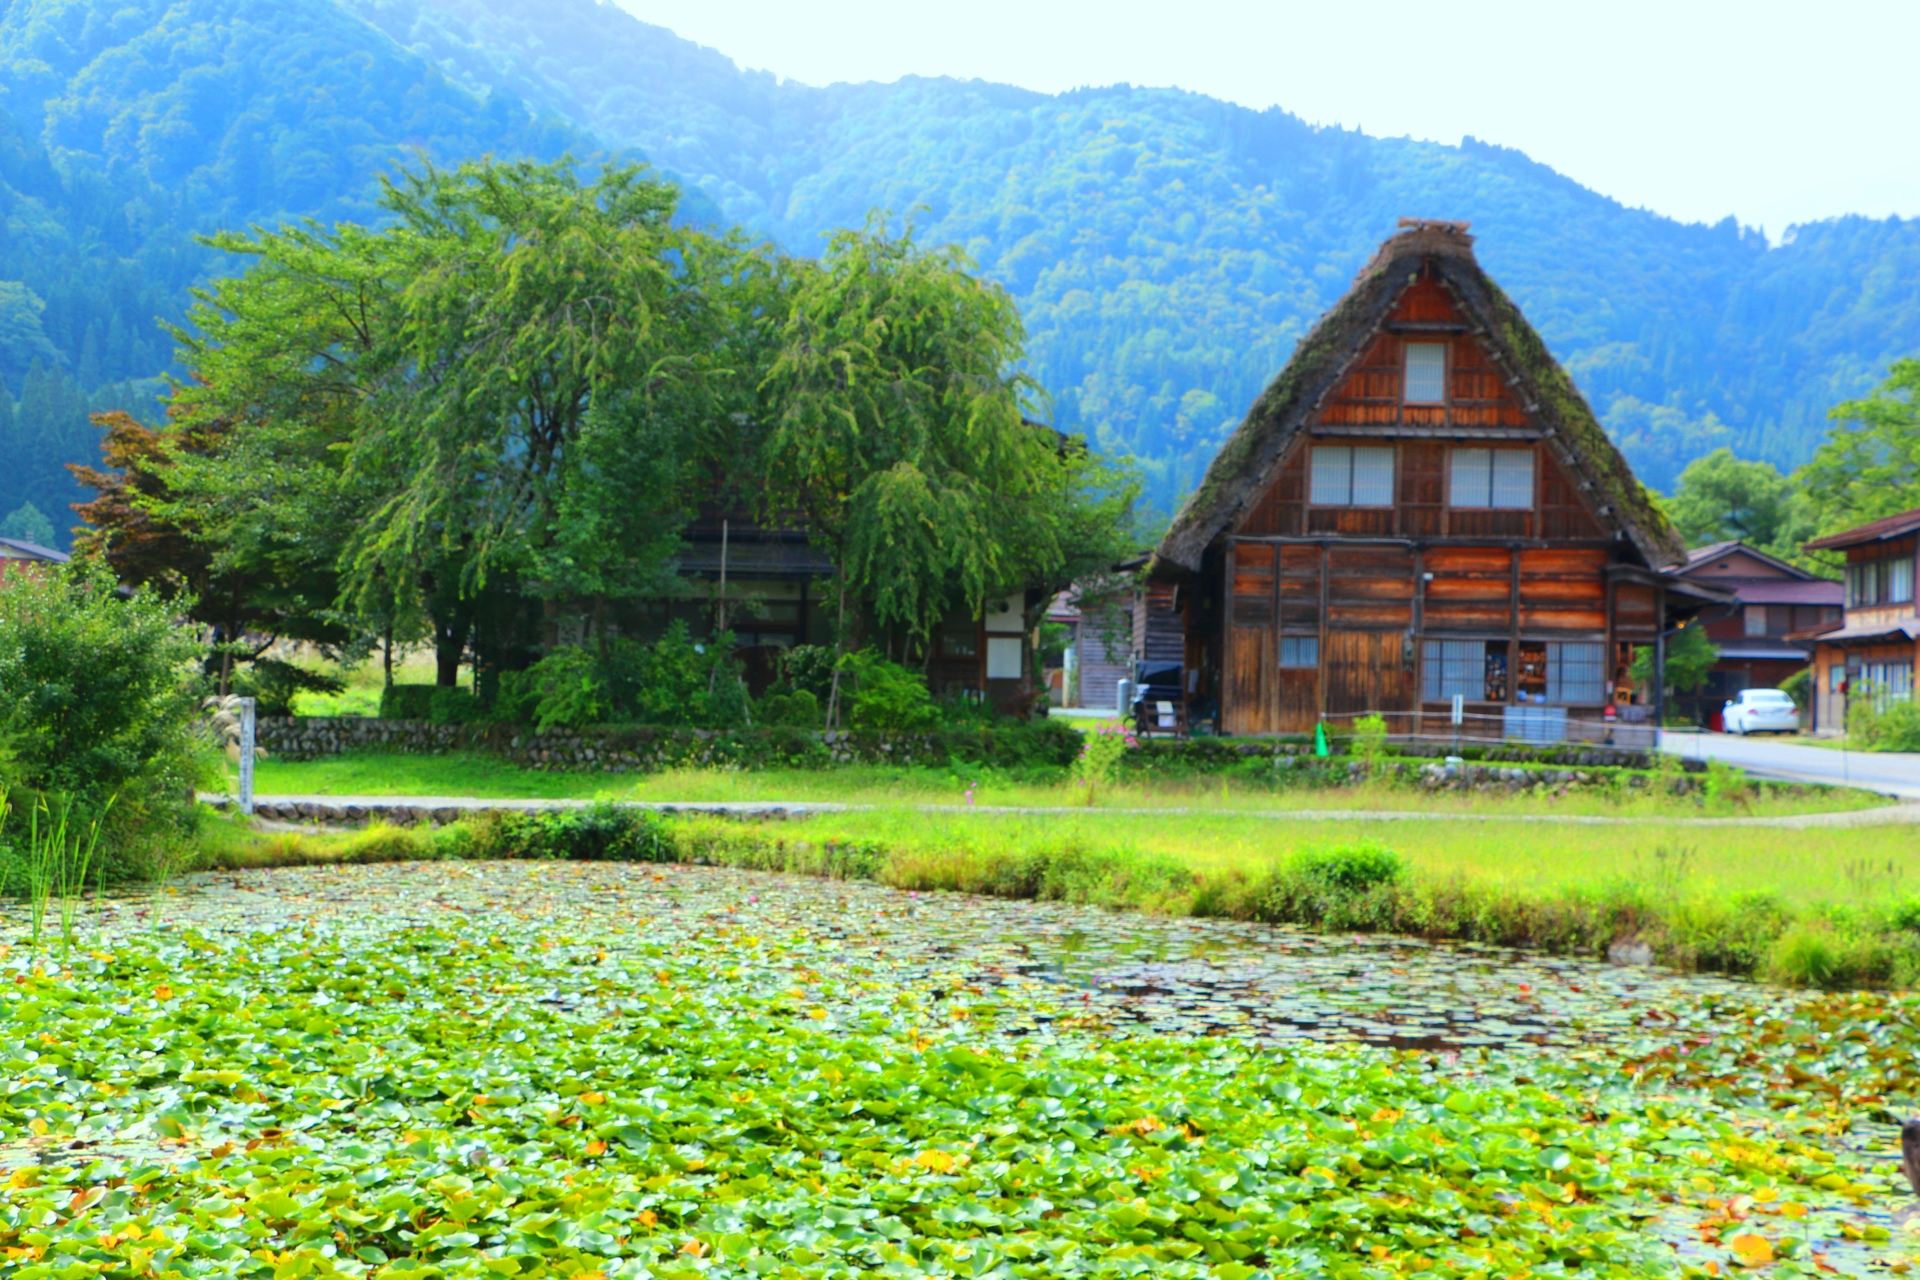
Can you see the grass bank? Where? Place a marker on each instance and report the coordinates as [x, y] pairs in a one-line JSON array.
[[1816, 907], [1256, 785]]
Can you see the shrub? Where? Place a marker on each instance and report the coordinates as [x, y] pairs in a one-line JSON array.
[[598, 833], [1369, 742], [888, 697], [789, 708], [1727, 784], [98, 706], [450, 705], [672, 682], [1895, 729], [1348, 868], [406, 701], [272, 684], [516, 699], [1101, 755], [809, 668]]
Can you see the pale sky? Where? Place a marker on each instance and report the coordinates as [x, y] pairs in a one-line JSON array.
[[1772, 112]]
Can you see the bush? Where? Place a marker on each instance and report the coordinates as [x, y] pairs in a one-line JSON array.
[[599, 833], [272, 684], [789, 708], [1101, 754], [1370, 740], [888, 697], [1348, 868], [1895, 729], [98, 702], [809, 668], [407, 701], [450, 705], [672, 682]]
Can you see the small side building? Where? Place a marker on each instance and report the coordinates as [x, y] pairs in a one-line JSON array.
[[1774, 601], [1872, 653], [17, 556]]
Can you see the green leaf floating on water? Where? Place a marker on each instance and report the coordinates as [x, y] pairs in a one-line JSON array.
[[418, 1103]]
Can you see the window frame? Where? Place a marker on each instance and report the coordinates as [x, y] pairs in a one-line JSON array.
[[1406, 374], [1311, 647], [1318, 451], [1490, 476]]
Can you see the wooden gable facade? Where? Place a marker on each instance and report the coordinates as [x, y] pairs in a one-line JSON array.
[[1405, 519]]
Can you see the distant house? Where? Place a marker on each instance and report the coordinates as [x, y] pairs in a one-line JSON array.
[[17, 556], [1871, 654], [1420, 506], [1773, 600], [778, 595], [1098, 657]]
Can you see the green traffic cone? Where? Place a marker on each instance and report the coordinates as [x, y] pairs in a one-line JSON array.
[[1320, 747]]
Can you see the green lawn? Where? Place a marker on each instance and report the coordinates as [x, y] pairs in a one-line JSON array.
[[476, 774]]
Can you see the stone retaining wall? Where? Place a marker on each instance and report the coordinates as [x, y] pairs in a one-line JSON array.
[[633, 750]]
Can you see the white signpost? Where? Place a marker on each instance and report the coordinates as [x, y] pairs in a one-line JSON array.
[[246, 756]]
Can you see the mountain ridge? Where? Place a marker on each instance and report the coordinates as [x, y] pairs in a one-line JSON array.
[[1166, 248]]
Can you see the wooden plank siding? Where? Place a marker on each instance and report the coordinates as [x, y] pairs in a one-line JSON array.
[[1372, 584]]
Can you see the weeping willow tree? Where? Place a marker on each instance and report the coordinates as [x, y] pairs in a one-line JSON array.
[[902, 426]]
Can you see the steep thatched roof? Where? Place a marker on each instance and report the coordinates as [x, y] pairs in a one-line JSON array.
[[1245, 465]]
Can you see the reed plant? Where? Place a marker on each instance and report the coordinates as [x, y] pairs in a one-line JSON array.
[[62, 846]]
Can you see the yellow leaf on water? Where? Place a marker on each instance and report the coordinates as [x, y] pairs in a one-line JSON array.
[[163, 992], [1753, 1250], [598, 1147], [594, 1098]]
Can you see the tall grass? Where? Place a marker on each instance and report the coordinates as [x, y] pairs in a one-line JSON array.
[[61, 849]]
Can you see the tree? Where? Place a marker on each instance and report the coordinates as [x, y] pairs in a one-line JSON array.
[[900, 427], [151, 537], [28, 524], [507, 394], [1689, 659], [1869, 466], [1721, 497]]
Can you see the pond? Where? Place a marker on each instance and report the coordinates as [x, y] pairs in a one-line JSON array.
[[1005, 962], [1035, 972]]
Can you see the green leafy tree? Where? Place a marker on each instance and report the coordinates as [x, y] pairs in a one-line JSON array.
[[26, 523], [502, 395], [1689, 659], [1722, 497], [899, 427], [1869, 466]]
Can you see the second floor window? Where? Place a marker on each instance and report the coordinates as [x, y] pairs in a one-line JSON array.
[[1492, 478], [1352, 475], [1426, 373], [1872, 582]]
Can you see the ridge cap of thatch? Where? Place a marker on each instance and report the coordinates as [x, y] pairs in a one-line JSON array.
[[1244, 467]]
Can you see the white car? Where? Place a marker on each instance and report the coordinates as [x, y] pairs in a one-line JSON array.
[[1761, 711]]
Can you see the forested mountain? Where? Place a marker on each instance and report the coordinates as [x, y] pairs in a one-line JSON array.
[[127, 129], [1167, 249]]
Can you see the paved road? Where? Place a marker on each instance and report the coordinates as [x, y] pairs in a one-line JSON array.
[[1893, 773]]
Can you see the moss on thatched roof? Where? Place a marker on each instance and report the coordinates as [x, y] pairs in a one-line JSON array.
[[1245, 465]]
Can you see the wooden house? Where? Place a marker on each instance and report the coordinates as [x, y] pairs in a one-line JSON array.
[[1773, 600], [1421, 505], [1872, 653], [772, 589]]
